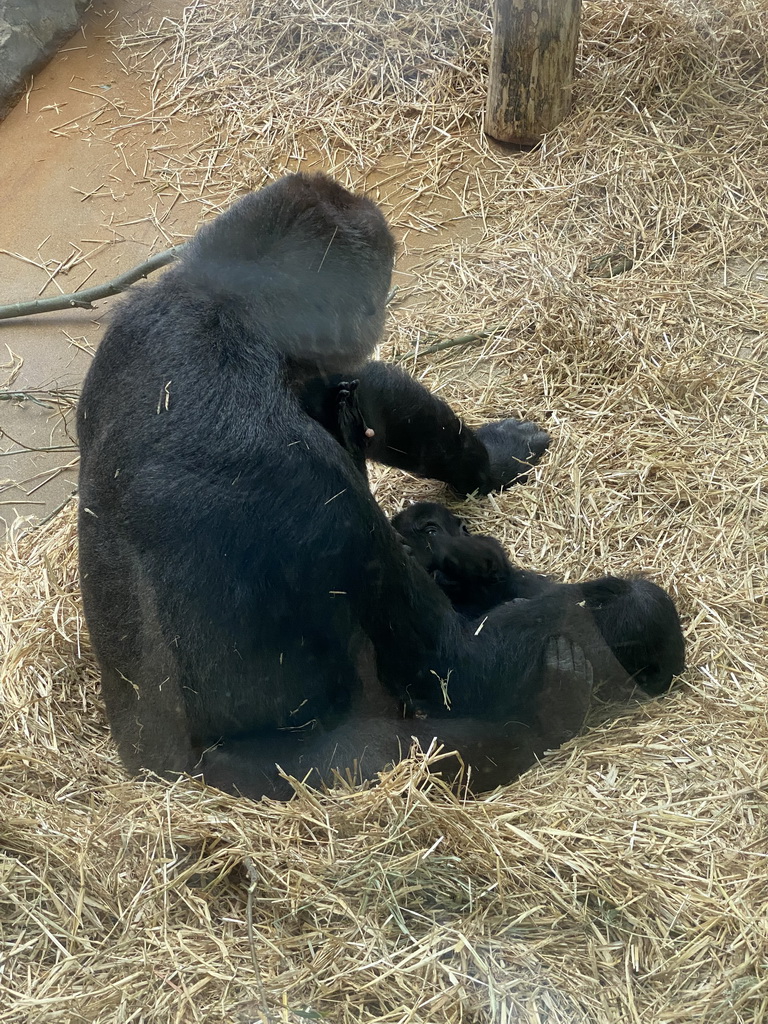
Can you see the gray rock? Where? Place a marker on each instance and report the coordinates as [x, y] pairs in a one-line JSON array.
[[31, 31]]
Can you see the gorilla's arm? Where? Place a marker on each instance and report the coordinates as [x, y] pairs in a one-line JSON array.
[[418, 432]]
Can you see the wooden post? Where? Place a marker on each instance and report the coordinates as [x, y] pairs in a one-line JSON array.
[[533, 56]]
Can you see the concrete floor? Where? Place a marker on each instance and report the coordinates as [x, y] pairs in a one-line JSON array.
[[77, 206]]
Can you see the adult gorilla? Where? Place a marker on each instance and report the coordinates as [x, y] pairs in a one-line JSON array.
[[249, 603]]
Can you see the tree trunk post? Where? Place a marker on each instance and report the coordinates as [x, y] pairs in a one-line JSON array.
[[533, 57]]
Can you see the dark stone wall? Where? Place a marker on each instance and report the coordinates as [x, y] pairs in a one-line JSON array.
[[31, 31]]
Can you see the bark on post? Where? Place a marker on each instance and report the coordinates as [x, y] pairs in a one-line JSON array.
[[533, 56]]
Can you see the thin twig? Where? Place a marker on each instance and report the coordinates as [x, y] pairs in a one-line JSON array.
[[25, 449], [52, 514], [84, 299], [463, 339], [43, 397]]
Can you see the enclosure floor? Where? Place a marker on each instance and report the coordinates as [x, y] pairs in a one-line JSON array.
[[76, 207]]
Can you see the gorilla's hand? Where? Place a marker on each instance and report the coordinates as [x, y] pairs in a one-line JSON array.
[[513, 447]]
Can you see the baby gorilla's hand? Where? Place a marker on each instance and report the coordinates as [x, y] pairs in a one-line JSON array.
[[352, 431]]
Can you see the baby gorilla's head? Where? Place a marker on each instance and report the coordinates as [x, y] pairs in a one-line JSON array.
[[424, 526], [472, 569]]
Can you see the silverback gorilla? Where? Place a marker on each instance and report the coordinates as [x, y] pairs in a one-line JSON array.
[[250, 605]]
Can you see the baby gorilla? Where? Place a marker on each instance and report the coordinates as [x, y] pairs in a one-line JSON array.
[[637, 619], [471, 568]]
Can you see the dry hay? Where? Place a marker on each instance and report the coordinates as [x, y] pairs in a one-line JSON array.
[[623, 880]]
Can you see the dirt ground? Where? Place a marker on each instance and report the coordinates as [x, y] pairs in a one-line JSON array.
[[77, 208], [80, 208]]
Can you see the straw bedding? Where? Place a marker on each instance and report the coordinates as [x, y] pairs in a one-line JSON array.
[[613, 283]]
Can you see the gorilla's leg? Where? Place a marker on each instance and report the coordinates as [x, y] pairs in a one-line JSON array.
[[493, 753], [140, 682], [639, 622]]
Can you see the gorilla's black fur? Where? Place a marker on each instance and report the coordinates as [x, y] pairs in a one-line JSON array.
[[637, 619], [249, 603]]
